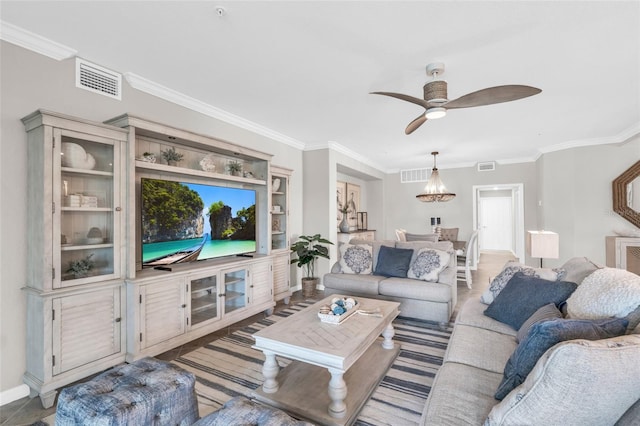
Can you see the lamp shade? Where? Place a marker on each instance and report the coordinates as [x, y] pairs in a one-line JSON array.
[[543, 244]]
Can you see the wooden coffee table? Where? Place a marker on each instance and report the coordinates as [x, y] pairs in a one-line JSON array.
[[353, 352]]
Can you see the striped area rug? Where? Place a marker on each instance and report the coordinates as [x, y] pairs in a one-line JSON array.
[[228, 367]]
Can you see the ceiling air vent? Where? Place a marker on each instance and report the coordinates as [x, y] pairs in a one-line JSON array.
[[97, 79], [414, 175], [487, 166]]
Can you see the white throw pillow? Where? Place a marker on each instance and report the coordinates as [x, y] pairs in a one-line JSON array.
[[427, 264], [607, 292], [356, 258], [577, 382], [508, 271]]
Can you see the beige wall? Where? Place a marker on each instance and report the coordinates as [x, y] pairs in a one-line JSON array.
[[30, 81], [405, 211], [577, 199]]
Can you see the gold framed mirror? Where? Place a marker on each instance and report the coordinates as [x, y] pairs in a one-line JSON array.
[[626, 194]]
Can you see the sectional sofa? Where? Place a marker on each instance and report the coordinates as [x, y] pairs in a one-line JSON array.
[[381, 269], [574, 382]]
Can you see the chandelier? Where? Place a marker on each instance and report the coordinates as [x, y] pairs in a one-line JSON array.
[[435, 190]]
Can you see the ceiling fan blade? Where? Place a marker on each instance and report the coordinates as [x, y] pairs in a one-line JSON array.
[[492, 95], [407, 98], [415, 124]]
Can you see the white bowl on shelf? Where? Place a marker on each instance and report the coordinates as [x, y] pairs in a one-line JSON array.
[[74, 156]]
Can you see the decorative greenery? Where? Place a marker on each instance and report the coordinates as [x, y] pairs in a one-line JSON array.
[[171, 155], [80, 268], [309, 248], [345, 209], [170, 208], [147, 154], [234, 167]]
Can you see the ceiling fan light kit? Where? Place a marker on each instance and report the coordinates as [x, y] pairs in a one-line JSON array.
[[435, 113], [436, 103], [434, 190]]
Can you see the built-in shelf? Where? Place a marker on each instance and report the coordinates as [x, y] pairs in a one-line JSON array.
[[192, 172]]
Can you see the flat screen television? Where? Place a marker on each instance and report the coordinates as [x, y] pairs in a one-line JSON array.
[[184, 222]]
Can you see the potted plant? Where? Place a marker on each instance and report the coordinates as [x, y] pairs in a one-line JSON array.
[[308, 249], [235, 168], [80, 268], [171, 156], [149, 157]]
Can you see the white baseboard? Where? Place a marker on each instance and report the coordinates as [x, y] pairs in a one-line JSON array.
[[14, 394]]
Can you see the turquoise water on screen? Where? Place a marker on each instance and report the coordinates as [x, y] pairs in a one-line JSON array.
[[213, 248]]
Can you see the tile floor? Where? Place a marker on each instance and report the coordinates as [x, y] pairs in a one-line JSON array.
[[27, 410]]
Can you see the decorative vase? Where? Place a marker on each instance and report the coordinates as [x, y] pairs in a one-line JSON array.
[[344, 225], [275, 185]]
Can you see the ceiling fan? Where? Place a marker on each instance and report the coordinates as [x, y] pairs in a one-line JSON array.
[[435, 100]]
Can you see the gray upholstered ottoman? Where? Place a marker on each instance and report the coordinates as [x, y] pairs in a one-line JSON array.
[[146, 392]]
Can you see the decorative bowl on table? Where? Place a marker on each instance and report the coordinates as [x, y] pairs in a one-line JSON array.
[[339, 310]]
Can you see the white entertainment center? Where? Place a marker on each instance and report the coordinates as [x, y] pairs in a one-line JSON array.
[[90, 303]]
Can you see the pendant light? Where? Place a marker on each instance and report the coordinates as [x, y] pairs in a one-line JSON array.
[[435, 190]]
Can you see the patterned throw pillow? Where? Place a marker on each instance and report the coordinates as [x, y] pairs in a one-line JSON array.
[[356, 258], [428, 264], [509, 270]]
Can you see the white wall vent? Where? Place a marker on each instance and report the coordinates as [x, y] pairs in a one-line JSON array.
[[414, 175], [487, 166], [97, 79]]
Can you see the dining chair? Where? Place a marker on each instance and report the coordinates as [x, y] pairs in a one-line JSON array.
[[466, 258]]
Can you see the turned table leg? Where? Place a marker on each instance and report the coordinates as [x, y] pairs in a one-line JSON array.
[[337, 394], [388, 334], [270, 371]]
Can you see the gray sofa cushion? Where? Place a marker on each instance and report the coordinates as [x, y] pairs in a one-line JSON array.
[[577, 269], [460, 395], [472, 313], [480, 348], [421, 237], [415, 289], [352, 283]]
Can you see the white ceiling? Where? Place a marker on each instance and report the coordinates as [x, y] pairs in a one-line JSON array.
[[304, 69]]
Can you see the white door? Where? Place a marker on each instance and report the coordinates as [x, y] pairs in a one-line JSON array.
[[496, 224]]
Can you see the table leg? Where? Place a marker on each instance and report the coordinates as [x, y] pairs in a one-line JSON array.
[[337, 394], [388, 334], [270, 371]]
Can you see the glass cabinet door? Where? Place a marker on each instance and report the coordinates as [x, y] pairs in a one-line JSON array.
[[279, 208], [85, 194], [204, 299], [235, 289]]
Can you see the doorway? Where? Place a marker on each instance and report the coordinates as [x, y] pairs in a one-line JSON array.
[[498, 214]]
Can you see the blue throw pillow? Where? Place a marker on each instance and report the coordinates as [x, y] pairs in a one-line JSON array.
[[546, 334], [393, 262], [523, 295]]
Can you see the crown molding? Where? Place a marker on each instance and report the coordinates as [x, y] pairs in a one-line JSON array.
[[34, 42], [163, 92], [621, 137], [335, 146]]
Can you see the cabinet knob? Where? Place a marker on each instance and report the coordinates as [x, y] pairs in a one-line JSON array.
[[184, 306], [118, 209], [118, 319]]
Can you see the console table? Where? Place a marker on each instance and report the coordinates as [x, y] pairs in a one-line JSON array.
[[369, 234]]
